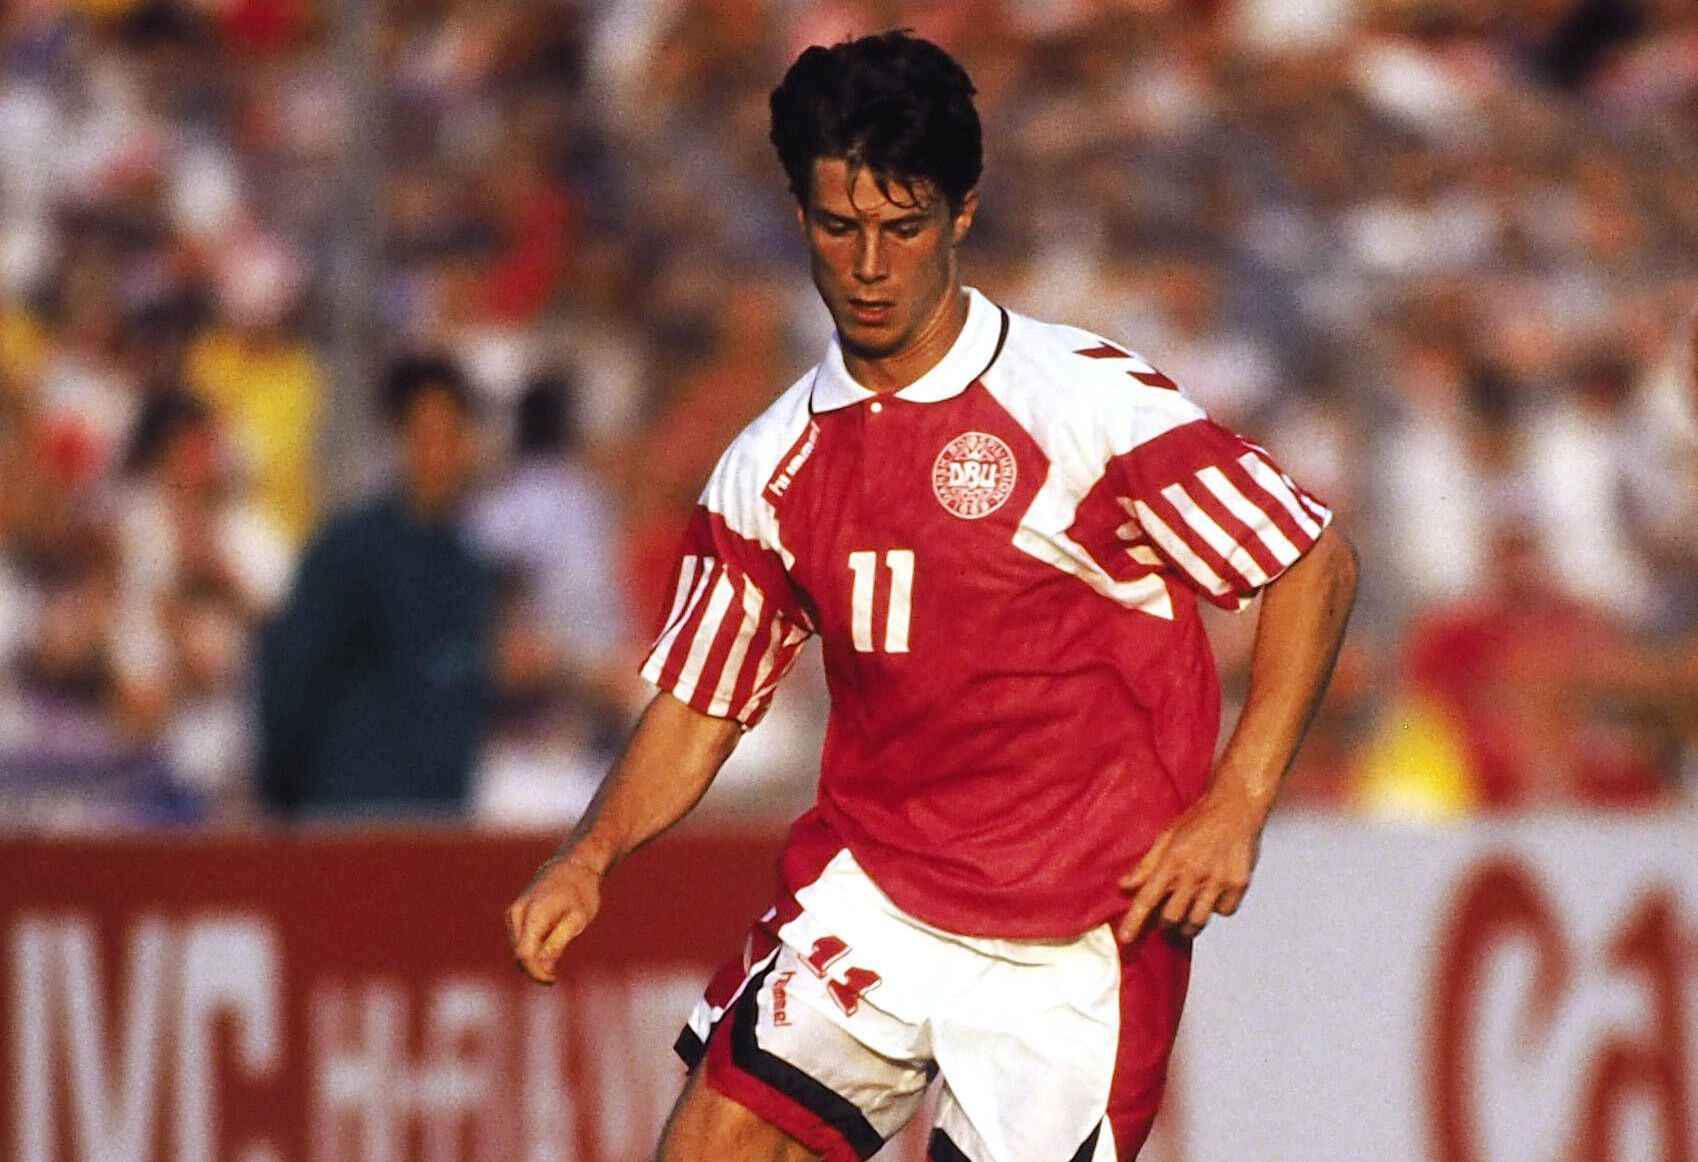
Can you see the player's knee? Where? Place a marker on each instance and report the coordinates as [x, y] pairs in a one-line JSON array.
[[707, 1126]]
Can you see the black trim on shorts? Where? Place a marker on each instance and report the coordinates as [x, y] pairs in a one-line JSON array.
[[1089, 1146], [942, 1148], [812, 1095], [690, 1047]]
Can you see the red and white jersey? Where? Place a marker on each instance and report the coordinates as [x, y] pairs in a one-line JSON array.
[[1002, 562]]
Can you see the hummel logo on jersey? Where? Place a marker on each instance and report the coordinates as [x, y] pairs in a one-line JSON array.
[[792, 464], [973, 475], [1144, 373]]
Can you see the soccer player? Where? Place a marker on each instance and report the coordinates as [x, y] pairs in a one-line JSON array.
[[999, 530]]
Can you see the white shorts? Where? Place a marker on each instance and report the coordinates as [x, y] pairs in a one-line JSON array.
[[843, 1008]]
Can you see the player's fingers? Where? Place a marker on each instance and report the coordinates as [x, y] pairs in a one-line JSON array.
[[539, 919], [1202, 911], [536, 966], [536, 972], [1179, 902], [548, 955], [1138, 913], [518, 920], [511, 917], [1139, 875], [1229, 901]]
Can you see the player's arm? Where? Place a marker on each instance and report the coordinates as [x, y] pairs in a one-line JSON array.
[[673, 755], [1201, 865]]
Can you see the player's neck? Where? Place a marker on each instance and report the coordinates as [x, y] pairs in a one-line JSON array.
[[931, 342]]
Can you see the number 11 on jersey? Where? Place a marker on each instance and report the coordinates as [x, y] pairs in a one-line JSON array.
[[864, 566]]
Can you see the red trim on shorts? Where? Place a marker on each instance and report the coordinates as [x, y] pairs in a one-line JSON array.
[[1155, 971], [732, 975], [729, 990], [775, 1108]]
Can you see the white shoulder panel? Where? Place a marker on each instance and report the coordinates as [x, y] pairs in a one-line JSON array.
[[737, 490], [1084, 401]]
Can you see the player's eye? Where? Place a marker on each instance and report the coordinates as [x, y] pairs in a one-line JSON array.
[[907, 229], [836, 227]]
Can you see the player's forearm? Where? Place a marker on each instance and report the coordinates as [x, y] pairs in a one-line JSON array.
[[1301, 627], [671, 759]]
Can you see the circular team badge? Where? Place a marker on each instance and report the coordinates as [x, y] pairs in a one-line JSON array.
[[974, 475]]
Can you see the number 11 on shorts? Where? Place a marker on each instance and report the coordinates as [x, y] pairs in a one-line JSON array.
[[864, 566]]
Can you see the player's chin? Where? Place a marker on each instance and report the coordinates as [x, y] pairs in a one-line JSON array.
[[869, 342]]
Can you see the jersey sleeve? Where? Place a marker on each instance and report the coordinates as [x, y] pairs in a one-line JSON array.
[[736, 624], [1217, 509]]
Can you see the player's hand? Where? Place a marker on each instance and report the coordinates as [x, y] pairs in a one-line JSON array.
[[1196, 869], [549, 914]]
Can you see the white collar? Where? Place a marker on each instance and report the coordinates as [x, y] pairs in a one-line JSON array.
[[967, 359]]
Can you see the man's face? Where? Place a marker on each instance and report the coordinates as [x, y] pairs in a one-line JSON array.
[[436, 446], [883, 262]]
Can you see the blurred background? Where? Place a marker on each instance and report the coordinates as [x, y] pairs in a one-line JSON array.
[[1440, 256], [1437, 255]]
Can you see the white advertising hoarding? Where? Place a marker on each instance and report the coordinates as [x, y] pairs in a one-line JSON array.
[[1514, 992]]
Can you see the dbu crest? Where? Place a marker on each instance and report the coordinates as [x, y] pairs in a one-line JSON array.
[[974, 475]]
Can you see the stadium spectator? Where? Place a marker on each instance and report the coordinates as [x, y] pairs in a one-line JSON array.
[[199, 570], [376, 675], [1662, 473], [1523, 698], [562, 637], [262, 378], [1449, 447], [1579, 453]]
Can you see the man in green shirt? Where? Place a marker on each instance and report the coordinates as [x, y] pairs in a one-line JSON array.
[[375, 677]]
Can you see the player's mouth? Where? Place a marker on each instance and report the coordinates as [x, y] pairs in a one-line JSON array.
[[870, 313]]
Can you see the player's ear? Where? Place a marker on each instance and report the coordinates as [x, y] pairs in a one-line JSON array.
[[964, 217]]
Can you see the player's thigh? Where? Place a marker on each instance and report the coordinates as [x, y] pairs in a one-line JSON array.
[[837, 1075], [707, 1126]]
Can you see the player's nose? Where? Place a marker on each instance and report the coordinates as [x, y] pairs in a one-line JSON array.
[[869, 257]]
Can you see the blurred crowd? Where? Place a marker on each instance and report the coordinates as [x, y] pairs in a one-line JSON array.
[[1441, 256]]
